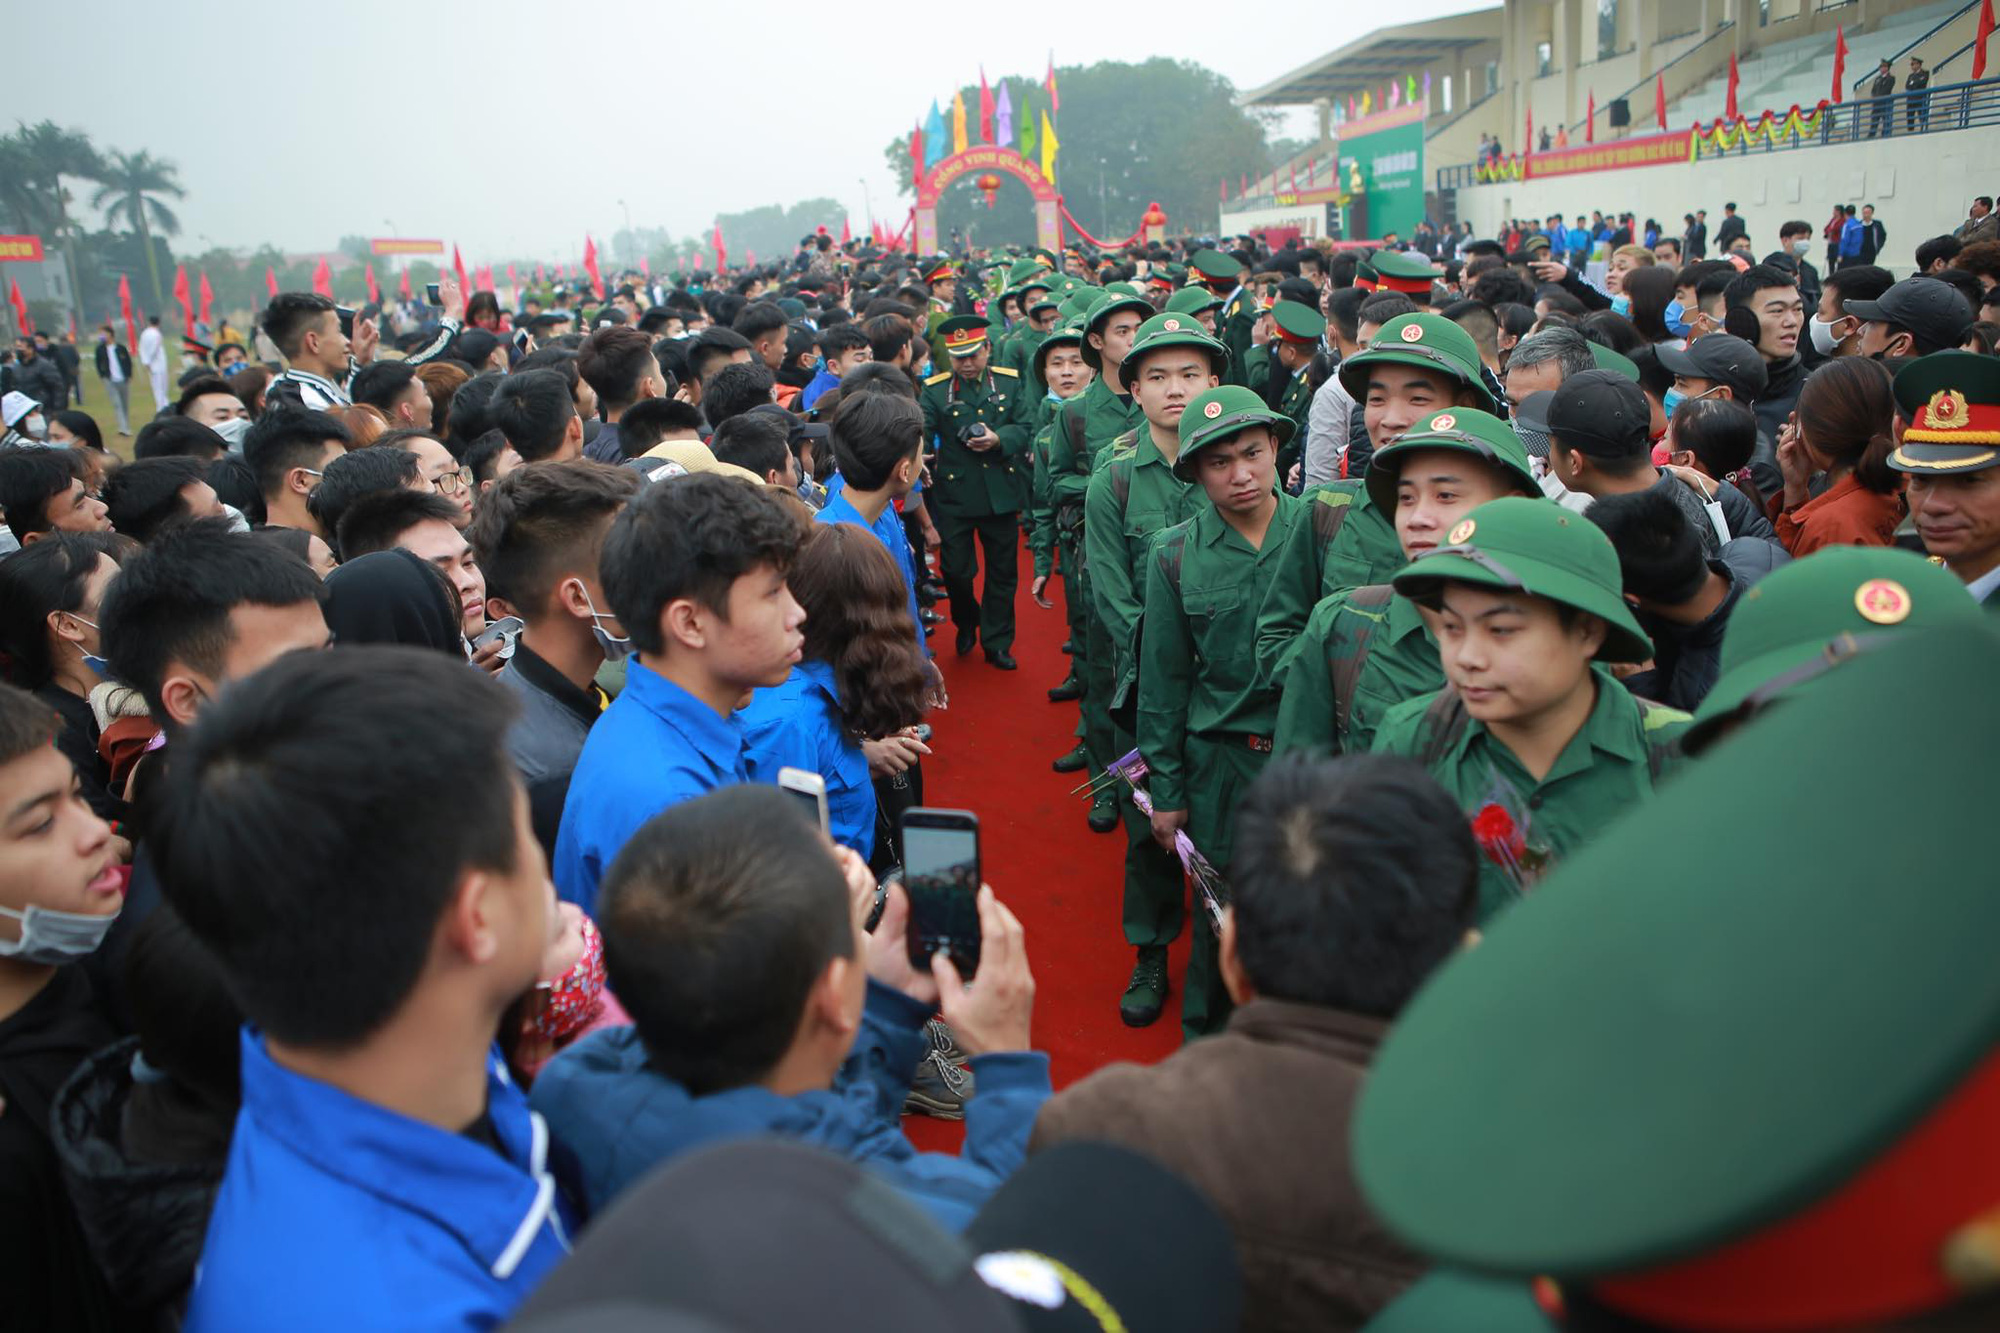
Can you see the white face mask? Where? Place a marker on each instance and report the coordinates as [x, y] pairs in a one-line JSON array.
[[614, 648], [1801, 246], [36, 426], [50, 937], [233, 431], [1823, 340]]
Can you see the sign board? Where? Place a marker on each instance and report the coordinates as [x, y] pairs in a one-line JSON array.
[[20, 250], [394, 245], [1386, 151], [1652, 150]]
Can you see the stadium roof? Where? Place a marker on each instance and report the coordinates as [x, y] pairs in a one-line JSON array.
[[1368, 62]]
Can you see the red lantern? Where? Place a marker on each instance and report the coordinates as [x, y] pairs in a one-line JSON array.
[[989, 184], [1155, 216]]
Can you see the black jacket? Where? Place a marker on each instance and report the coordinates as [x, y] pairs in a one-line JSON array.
[[143, 1219], [1780, 396], [103, 357], [42, 380], [1731, 228], [1687, 659]]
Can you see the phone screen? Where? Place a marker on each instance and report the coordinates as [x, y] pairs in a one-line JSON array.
[[806, 804], [941, 876]]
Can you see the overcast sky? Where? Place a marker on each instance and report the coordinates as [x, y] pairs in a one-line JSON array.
[[512, 127]]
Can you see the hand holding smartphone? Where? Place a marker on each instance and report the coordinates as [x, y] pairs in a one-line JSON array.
[[941, 876]]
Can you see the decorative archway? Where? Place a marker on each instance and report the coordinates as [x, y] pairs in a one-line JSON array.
[[986, 157]]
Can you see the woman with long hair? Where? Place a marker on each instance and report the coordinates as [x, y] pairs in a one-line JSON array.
[[861, 678], [1841, 428]]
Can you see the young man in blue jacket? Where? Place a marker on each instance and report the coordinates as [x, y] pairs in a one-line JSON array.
[[384, 1171], [736, 935], [694, 569]]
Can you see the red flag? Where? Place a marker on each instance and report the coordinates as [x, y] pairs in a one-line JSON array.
[[590, 265], [721, 253], [515, 282], [1660, 99], [486, 279], [1590, 119], [1840, 59], [1729, 107], [917, 153], [323, 278], [270, 280], [750, 257], [538, 275], [986, 107], [1311, 162], [1528, 146], [403, 287], [182, 295], [645, 268], [14, 299], [125, 308], [1295, 178], [1242, 186], [207, 298], [846, 235], [458, 268], [1055, 102], [1979, 39], [368, 276]]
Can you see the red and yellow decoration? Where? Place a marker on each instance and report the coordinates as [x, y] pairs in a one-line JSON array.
[[1950, 418]]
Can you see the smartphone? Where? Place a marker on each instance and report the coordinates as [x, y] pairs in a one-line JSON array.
[[432, 295], [346, 314], [941, 877], [506, 631], [808, 792]]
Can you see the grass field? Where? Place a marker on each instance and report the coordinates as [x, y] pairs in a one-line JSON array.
[[97, 402]]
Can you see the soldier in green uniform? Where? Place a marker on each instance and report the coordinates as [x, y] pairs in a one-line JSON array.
[[1038, 316], [1405, 274], [941, 277], [1134, 495], [1416, 365], [1224, 276], [1256, 363], [1541, 747], [1296, 332], [982, 420], [1204, 721], [1198, 301], [1364, 649], [1728, 1072], [1085, 427], [1950, 447], [1059, 365]]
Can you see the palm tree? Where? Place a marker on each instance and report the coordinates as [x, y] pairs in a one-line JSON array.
[[46, 153], [129, 182]]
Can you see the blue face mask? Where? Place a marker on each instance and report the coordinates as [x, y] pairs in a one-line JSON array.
[[1621, 305], [1675, 318], [1673, 398]]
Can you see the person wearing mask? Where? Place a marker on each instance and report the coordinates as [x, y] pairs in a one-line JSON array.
[[1795, 241], [377, 1124], [1842, 432], [1831, 330], [1353, 880], [61, 889], [694, 569], [1682, 596], [114, 367], [1915, 317]]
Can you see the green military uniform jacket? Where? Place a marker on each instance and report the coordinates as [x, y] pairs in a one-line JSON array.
[[975, 483], [1626, 747], [1257, 371], [1133, 496], [1364, 651], [1346, 542], [1041, 497], [1082, 428], [1198, 667], [1296, 403], [1019, 353], [1233, 325]]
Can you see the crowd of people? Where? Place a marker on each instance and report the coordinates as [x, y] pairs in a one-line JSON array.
[[399, 894]]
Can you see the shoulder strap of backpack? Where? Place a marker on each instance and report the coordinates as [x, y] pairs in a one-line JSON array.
[[1443, 723], [1073, 427], [1328, 513], [1660, 750], [1369, 606], [1173, 546], [1120, 467]]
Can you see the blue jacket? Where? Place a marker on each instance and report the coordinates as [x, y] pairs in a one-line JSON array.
[[335, 1213], [656, 746], [799, 725], [620, 1117], [1579, 240], [815, 389], [1850, 239]]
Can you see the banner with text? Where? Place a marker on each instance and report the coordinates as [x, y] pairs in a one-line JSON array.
[[21, 249], [1386, 153]]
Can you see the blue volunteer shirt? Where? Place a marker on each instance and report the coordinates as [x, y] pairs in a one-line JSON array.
[[656, 746], [888, 529], [335, 1213], [799, 725]]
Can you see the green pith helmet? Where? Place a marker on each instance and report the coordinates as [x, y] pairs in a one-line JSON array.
[[1062, 335], [1168, 330], [1607, 359], [1192, 301], [1798, 621], [1221, 414], [1430, 341], [1100, 311], [1721, 1071], [1466, 429], [1538, 548]]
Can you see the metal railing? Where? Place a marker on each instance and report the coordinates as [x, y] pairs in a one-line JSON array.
[[1936, 110], [1937, 68], [1935, 29], [1452, 118], [1721, 28]]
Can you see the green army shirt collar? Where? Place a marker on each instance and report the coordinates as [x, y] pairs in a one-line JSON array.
[[1212, 529], [1405, 619], [1611, 727], [1106, 393], [1147, 453]]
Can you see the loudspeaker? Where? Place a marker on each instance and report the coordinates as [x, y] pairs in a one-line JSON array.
[[1621, 113]]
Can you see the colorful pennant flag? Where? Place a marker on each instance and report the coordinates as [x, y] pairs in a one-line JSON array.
[[958, 122], [1055, 102], [323, 278], [985, 108], [207, 299], [1840, 60], [1003, 118], [1049, 146]]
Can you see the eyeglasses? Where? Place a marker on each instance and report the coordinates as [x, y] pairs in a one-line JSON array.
[[451, 483]]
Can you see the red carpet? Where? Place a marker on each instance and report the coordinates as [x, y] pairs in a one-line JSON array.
[[991, 753]]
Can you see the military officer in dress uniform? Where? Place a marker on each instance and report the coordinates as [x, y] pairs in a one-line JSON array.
[[981, 422], [1296, 332], [1731, 1067], [1406, 275], [1949, 445]]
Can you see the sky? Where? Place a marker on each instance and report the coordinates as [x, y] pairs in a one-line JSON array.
[[511, 128]]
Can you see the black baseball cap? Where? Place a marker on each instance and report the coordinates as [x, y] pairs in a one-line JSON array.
[[1932, 310], [1721, 358], [1600, 413]]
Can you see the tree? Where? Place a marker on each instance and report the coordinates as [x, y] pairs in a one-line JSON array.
[[1163, 131], [129, 182], [774, 229], [47, 153]]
